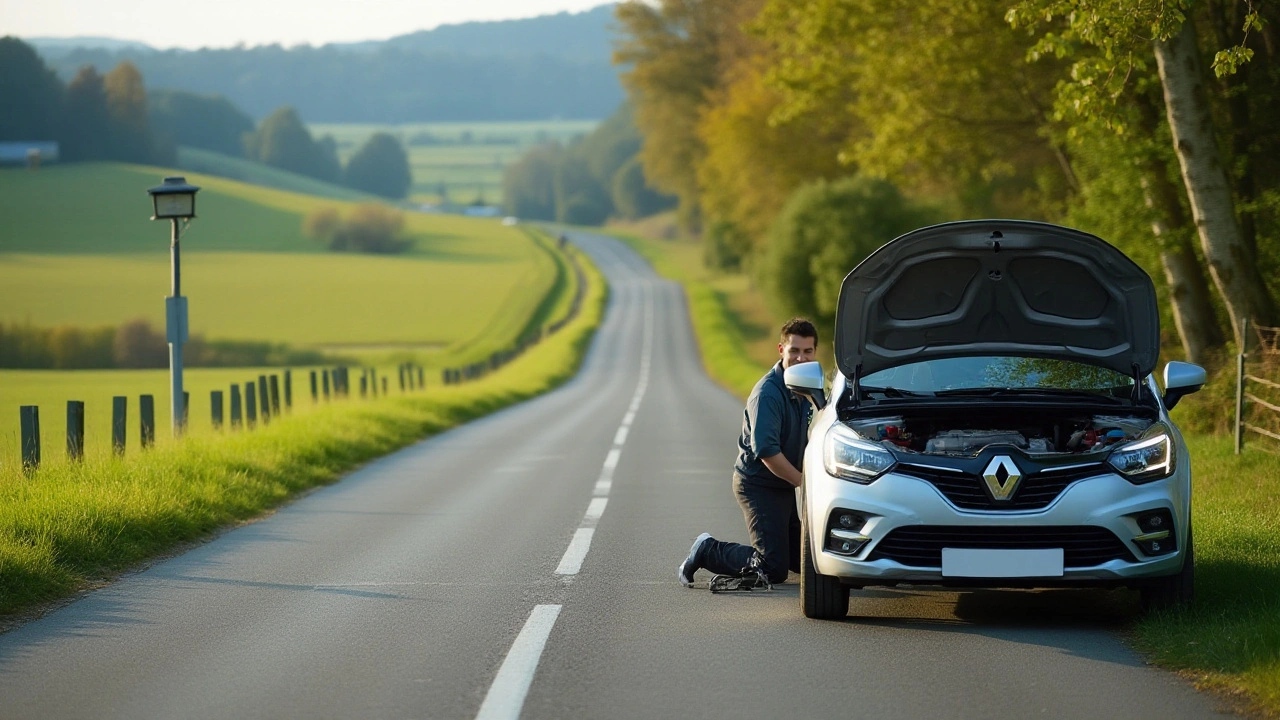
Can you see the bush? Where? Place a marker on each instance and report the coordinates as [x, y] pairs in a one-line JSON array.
[[136, 345], [370, 228], [825, 229]]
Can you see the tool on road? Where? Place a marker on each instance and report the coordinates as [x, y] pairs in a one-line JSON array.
[[749, 578]]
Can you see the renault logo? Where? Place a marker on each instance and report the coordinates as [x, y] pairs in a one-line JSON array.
[[1002, 477]]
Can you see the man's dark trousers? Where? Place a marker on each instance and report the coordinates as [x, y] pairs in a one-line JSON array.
[[774, 525]]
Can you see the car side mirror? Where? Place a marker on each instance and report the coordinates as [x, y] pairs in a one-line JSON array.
[[1181, 379], [806, 381]]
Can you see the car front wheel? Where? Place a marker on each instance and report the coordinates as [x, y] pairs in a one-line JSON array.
[[822, 597], [1175, 590]]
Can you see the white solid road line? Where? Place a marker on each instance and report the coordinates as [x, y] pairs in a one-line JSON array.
[[505, 698], [571, 563]]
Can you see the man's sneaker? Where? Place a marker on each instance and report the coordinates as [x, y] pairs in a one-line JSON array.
[[693, 563]]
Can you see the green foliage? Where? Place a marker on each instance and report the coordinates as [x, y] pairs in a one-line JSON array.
[[369, 228], [725, 246], [380, 167], [584, 182], [86, 122], [32, 92], [210, 122], [283, 141], [528, 184], [632, 197], [825, 230]]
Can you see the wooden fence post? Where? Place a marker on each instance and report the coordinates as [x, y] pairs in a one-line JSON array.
[[147, 419], [237, 412], [264, 400], [373, 381], [401, 377], [364, 386], [315, 392], [29, 419], [119, 414], [384, 386], [1240, 358], [422, 378], [326, 384], [186, 410], [250, 404], [75, 430], [274, 382], [288, 390], [215, 408]]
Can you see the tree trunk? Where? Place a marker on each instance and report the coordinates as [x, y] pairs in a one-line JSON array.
[[1193, 314], [1205, 178]]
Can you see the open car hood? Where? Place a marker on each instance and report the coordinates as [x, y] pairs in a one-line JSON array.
[[999, 288]]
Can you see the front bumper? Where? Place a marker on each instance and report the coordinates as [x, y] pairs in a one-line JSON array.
[[1096, 506]]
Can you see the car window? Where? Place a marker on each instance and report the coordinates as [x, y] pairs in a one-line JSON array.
[[996, 372]]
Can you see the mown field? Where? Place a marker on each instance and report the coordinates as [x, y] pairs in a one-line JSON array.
[[1227, 641], [250, 273], [69, 526], [465, 159]]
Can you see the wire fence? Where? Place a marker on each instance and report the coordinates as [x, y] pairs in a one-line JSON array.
[[1258, 389]]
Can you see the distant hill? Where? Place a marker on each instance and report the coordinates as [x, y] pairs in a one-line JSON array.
[[51, 48], [553, 66]]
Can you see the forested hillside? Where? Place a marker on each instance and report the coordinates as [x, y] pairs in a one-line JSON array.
[[545, 67]]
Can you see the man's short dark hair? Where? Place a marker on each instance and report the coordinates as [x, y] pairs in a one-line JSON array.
[[799, 326]]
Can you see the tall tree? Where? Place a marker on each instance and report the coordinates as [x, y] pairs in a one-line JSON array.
[[210, 122], [1125, 37], [380, 167], [671, 50], [127, 109], [283, 141], [33, 95], [86, 134]]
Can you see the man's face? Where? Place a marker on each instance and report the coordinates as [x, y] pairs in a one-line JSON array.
[[796, 349]]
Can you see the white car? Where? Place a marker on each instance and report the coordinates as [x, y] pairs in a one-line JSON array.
[[994, 422]]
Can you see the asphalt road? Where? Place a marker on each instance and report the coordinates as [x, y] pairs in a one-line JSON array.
[[524, 565]]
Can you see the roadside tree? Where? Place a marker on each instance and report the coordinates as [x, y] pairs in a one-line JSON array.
[[380, 167]]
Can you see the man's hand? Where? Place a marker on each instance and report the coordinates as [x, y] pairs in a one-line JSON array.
[[779, 465]]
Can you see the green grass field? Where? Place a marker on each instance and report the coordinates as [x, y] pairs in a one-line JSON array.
[[249, 272], [51, 389], [67, 526], [467, 159], [1227, 641]]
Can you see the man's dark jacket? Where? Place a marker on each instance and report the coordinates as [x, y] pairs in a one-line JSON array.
[[774, 421]]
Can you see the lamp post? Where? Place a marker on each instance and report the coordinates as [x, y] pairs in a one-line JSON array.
[[175, 201]]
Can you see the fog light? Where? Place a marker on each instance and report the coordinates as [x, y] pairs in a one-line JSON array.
[[1155, 535], [845, 542], [849, 521]]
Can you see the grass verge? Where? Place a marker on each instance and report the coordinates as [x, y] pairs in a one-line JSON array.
[[70, 526], [1229, 639]]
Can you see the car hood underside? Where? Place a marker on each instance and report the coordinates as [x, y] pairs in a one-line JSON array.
[[997, 287]]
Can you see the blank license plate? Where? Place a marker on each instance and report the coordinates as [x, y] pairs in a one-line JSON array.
[[967, 562]]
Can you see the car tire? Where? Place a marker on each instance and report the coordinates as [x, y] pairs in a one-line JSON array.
[[1176, 590], [822, 597]]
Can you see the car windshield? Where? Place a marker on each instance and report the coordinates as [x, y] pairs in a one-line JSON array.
[[991, 374]]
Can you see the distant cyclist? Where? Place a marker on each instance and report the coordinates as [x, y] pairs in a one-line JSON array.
[[775, 429]]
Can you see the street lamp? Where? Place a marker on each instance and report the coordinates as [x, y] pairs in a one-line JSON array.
[[175, 201]]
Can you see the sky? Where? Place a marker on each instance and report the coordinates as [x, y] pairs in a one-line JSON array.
[[224, 23]]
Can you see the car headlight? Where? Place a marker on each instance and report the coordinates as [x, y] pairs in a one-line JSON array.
[[1151, 457], [847, 455]]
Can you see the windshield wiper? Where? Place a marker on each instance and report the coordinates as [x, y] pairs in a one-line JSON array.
[[893, 392]]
